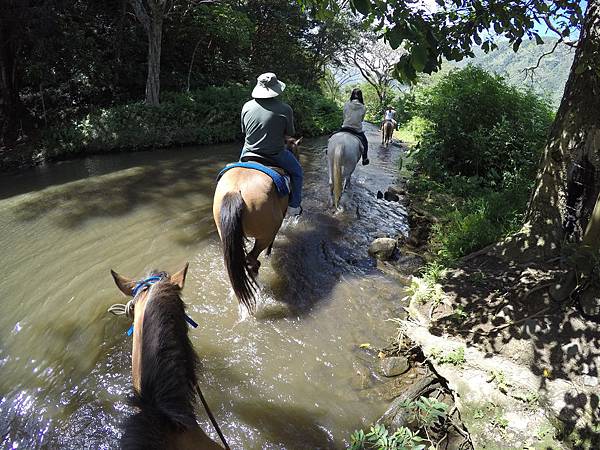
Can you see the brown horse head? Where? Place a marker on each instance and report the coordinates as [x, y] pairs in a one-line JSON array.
[[164, 366], [292, 145]]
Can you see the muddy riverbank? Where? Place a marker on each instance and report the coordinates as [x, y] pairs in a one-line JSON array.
[[521, 363]]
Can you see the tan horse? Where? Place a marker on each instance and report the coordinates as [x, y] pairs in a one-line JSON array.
[[387, 133], [164, 366], [246, 204]]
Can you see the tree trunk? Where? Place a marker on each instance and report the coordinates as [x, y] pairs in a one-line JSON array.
[[151, 13], [10, 103], [568, 181], [154, 49]]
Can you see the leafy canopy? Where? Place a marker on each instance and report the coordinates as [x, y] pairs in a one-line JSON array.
[[451, 29]]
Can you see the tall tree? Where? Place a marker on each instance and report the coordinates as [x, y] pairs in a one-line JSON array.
[[16, 20], [151, 14], [376, 62]]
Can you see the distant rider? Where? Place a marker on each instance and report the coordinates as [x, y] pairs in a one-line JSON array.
[[354, 114], [266, 121], [390, 114]]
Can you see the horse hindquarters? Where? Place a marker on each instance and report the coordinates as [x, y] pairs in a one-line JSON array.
[[234, 250]]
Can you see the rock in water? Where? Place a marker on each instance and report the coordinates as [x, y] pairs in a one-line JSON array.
[[382, 248], [394, 365], [391, 197]]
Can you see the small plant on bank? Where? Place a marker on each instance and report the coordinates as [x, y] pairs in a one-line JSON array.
[[379, 438], [455, 357], [459, 313], [500, 379], [423, 292], [425, 411]]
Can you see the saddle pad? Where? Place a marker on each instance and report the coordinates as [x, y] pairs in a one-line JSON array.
[[281, 182], [353, 135]]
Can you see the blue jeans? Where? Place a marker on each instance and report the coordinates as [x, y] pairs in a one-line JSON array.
[[288, 162]]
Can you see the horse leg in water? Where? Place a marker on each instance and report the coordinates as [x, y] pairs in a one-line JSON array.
[[259, 246]]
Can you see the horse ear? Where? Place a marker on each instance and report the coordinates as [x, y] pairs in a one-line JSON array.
[[179, 277], [297, 141], [125, 285]]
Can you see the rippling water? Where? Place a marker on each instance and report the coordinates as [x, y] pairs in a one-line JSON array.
[[281, 380]]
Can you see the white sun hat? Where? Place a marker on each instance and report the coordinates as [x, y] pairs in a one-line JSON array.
[[268, 86]]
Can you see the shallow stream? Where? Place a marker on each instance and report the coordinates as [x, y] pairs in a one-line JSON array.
[[283, 380]]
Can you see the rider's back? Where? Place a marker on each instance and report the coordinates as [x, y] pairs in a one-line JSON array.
[[354, 114], [266, 122]]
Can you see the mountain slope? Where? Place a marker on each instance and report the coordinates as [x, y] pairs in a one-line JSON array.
[[548, 79]]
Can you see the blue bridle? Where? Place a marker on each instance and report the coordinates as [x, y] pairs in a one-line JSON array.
[[145, 284]]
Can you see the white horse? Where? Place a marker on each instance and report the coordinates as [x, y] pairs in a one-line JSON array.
[[343, 153]]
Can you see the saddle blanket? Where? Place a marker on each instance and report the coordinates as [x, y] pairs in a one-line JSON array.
[[282, 182]]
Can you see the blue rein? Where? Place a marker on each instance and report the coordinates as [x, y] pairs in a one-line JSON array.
[[145, 284]]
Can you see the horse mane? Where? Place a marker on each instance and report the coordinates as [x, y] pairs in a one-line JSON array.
[[168, 373]]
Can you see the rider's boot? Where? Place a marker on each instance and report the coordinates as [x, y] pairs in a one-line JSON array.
[[291, 212]]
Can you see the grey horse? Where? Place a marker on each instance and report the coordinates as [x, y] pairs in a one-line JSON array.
[[343, 153]]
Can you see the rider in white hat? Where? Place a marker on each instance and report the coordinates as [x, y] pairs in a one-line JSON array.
[[266, 121]]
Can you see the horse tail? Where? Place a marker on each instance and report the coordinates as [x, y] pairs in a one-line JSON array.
[[337, 174], [234, 249]]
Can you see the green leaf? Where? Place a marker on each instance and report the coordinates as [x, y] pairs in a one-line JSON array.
[[581, 67], [477, 39], [517, 44], [362, 6], [419, 57], [394, 37], [538, 39]]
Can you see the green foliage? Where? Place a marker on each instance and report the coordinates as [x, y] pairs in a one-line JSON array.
[[379, 438], [413, 130], [457, 27], [469, 215], [482, 127], [484, 217], [455, 357], [75, 58], [425, 411], [314, 114], [204, 116]]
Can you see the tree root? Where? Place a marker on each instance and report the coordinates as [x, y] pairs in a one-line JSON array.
[[514, 322]]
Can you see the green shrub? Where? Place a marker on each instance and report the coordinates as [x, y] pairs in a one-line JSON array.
[[205, 116], [413, 130], [480, 216], [480, 126], [314, 114]]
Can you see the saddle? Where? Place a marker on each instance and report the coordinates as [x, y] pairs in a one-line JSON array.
[[264, 160], [265, 165]]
